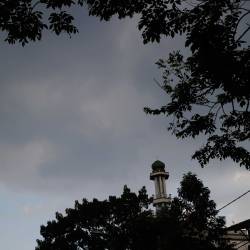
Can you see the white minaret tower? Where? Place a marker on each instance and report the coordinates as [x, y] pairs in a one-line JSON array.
[[159, 175]]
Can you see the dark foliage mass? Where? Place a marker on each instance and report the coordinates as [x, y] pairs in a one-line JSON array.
[[190, 221], [208, 91], [25, 20]]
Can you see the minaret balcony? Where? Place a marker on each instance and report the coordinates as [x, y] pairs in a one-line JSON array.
[[153, 175], [161, 199]]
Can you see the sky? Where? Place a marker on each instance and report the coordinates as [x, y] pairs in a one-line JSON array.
[[72, 126]]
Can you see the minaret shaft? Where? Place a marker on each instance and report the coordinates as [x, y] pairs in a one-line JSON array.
[[159, 175]]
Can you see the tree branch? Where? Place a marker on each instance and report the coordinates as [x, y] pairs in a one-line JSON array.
[[212, 107], [243, 34], [240, 19], [247, 105], [158, 84], [223, 109], [35, 4], [233, 105], [216, 114]]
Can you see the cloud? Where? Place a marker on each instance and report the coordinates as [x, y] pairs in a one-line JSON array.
[[72, 124], [87, 102], [30, 210], [20, 164], [241, 176]]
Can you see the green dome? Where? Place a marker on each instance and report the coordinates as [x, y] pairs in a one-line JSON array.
[[158, 166]]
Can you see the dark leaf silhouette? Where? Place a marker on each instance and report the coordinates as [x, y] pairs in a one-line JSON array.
[[189, 221], [209, 90]]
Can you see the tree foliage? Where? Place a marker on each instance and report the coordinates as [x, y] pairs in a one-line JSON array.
[[107, 224], [25, 20], [208, 91], [190, 221]]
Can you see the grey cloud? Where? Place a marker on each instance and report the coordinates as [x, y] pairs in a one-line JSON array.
[[82, 97], [72, 123]]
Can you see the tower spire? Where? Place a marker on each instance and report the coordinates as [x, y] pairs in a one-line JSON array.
[[159, 175]]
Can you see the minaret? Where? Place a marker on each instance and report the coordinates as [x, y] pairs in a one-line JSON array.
[[159, 175]]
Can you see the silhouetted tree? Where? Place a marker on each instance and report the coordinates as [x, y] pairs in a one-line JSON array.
[[190, 221], [209, 90], [108, 224], [25, 20]]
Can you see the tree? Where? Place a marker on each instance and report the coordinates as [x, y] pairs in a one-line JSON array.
[[25, 20], [209, 90], [107, 224], [190, 221]]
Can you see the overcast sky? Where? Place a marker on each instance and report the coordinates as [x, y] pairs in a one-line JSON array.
[[72, 126]]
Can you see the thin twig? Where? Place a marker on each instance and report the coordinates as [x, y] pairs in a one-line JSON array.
[[35, 4], [233, 105], [243, 34], [247, 105], [212, 107], [240, 19], [216, 114], [158, 84], [223, 109]]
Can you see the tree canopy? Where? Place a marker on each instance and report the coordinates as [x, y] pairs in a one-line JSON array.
[[208, 91], [189, 221], [25, 20]]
